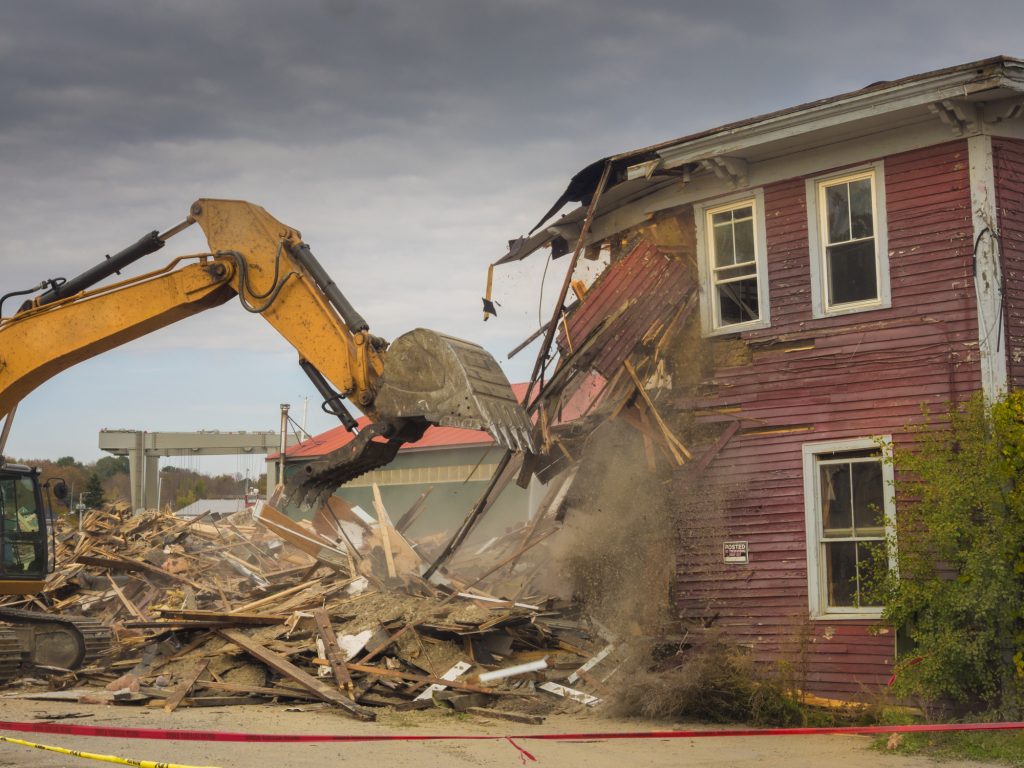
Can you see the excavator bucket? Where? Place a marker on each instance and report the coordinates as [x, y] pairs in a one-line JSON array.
[[453, 383], [429, 378]]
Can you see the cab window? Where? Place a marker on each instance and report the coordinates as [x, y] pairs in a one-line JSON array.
[[23, 541]]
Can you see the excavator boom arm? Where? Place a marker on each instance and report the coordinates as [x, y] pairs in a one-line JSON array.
[[423, 378]]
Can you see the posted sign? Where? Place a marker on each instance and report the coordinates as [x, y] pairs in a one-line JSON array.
[[736, 552]]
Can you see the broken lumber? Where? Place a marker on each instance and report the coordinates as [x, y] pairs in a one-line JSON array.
[[281, 665], [459, 668], [185, 686], [333, 651], [381, 672]]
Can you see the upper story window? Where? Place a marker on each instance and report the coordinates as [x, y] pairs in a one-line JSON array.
[[849, 515], [849, 258], [731, 250]]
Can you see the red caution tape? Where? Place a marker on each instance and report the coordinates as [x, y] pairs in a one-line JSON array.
[[189, 735]]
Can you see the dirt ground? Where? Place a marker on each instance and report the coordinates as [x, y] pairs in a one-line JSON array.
[[788, 751]]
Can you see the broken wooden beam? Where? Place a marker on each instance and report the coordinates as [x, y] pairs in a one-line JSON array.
[[381, 672], [281, 665], [333, 651], [185, 686], [459, 668], [414, 511]]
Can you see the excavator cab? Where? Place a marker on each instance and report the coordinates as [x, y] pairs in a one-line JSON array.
[[25, 532], [27, 638]]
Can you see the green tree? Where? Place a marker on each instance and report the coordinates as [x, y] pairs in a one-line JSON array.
[[109, 466], [93, 496], [66, 461], [959, 587]]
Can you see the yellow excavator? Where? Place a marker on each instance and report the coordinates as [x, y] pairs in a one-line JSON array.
[[421, 378]]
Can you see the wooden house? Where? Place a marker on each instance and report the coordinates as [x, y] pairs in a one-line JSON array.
[[852, 260]]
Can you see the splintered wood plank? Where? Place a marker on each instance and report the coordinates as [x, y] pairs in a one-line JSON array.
[[281, 665], [459, 668], [254, 690], [570, 693], [381, 672], [185, 686], [414, 512], [674, 444], [310, 542], [144, 566], [184, 651], [255, 619], [383, 525], [132, 608], [333, 651]]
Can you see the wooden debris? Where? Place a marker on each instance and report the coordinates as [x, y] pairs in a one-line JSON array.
[[193, 596], [420, 678], [570, 693], [459, 668], [413, 512], [289, 670], [384, 526], [592, 662], [334, 654], [185, 686]]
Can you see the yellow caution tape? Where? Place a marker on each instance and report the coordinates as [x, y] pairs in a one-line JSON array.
[[102, 758]]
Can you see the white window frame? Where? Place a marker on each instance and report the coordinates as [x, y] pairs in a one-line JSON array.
[[817, 229], [702, 215], [817, 591]]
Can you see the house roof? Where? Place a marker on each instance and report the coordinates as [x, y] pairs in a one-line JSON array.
[[958, 96]]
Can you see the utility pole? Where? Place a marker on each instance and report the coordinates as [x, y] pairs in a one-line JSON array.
[[284, 443]]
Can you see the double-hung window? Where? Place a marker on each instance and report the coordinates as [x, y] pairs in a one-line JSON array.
[[850, 270], [849, 516], [731, 245]]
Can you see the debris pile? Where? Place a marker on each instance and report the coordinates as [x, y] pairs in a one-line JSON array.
[[347, 612], [237, 610]]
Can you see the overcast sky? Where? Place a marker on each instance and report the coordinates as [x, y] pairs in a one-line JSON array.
[[407, 141]]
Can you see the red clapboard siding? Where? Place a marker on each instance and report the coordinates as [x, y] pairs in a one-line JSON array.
[[645, 287], [862, 374], [1008, 161]]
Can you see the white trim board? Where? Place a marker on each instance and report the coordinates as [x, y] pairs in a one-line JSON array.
[[988, 275]]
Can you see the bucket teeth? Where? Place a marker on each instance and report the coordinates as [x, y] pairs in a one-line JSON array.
[[454, 383], [428, 378]]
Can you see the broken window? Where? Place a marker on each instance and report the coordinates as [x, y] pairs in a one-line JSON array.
[[733, 265], [851, 262], [848, 520]]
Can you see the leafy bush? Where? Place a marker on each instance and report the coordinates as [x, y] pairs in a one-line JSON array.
[[959, 587]]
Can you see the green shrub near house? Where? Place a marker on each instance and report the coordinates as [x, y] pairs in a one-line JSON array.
[[958, 591]]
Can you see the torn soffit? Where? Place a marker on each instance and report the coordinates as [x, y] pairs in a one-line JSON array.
[[958, 100]]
